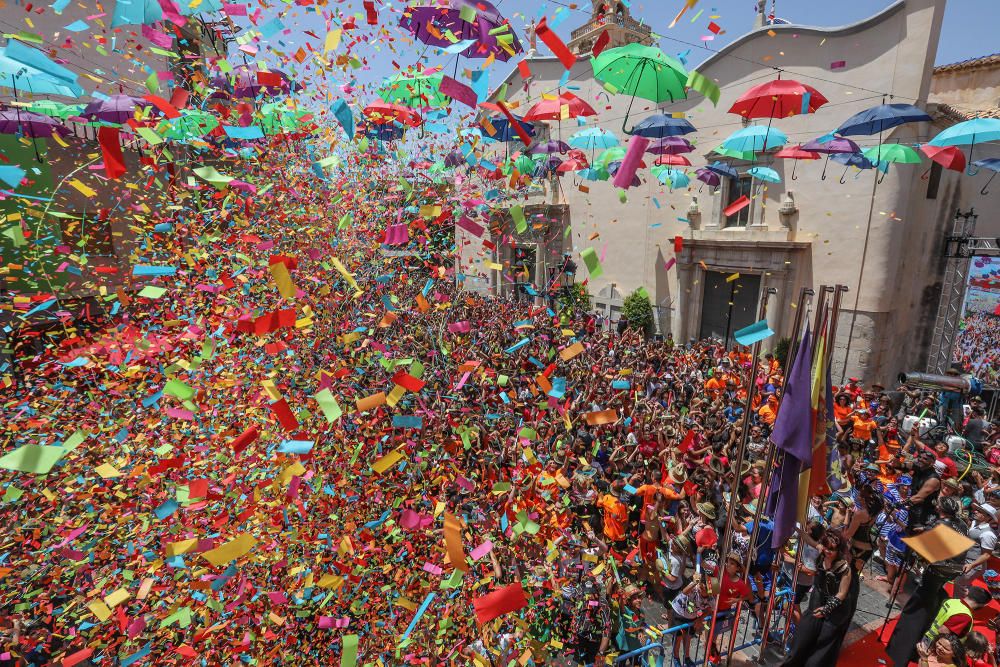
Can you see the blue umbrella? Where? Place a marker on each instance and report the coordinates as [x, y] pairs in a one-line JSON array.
[[881, 118], [676, 178], [661, 125], [506, 132], [856, 160], [764, 174], [969, 132], [991, 163], [724, 169], [29, 69], [593, 138], [755, 138]]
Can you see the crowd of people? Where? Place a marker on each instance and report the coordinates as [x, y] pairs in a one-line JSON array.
[[434, 476]]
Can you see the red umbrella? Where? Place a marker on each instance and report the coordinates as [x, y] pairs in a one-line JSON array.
[[383, 113], [796, 153], [949, 157], [552, 109], [673, 160], [573, 164], [778, 99]]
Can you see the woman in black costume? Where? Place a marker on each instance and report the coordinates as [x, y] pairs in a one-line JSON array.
[[832, 602]]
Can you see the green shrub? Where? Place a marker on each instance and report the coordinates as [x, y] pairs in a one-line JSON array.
[[639, 311]]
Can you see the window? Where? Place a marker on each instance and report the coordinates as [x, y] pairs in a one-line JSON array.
[[934, 181], [734, 190]]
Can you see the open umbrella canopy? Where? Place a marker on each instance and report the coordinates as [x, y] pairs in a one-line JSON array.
[[764, 174], [55, 109], [977, 130], [796, 153], [778, 99], [191, 124], [892, 153], [249, 81], [949, 157], [748, 156], [382, 113], [593, 138], [669, 146], [724, 169], [419, 91], [676, 178], [28, 124], [572, 164], [674, 160], [505, 131], [26, 69], [593, 174], [853, 160], [552, 146], [881, 118], [551, 109], [991, 163], [661, 125], [832, 146], [115, 109], [641, 71], [708, 176], [437, 25], [755, 138]]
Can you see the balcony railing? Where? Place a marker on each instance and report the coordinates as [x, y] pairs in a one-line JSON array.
[[598, 23]]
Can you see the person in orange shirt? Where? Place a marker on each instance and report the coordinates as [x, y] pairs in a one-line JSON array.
[[615, 517], [864, 425], [769, 411], [714, 387]]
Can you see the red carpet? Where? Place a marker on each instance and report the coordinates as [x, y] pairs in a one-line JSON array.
[[867, 650]]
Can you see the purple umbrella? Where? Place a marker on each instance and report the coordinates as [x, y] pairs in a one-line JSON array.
[[431, 24], [549, 147], [454, 159], [547, 166], [613, 168], [669, 146], [831, 147], [709, 177], [116, 109], [29, 124], [247, 82]]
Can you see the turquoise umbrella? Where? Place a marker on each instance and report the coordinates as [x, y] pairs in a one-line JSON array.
[[968, 133], [676, 178], [764, 174], [755, 138], [593, 138]]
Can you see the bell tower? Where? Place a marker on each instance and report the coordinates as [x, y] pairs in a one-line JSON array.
[[614, 17]]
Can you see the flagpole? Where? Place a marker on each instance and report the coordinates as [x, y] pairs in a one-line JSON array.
[[727, 538], [821, 307], [804, 293]]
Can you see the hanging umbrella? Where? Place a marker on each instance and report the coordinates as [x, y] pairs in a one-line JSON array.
[[551, 109], [641, 71], [116, 109], [454, 159], [755, 139], [968, 133], [249, 81], [572, 165], [191, 124], [552, 146], [991, 163], [709, 177], [854, 160], [592, 174], [382, 113], [676, 179], [831, 145], [29, 124], [28, 69], [505, 131], [764, 174], [778, 99], [593, 138], [724, 169], [949, 157], [880, 118], [55, 109], [547, 165], [661, 125], [669, 146], [746, 156], [415, 91], [892, 153], [613, 170], [796, 153], [435, 24], [673, 160]]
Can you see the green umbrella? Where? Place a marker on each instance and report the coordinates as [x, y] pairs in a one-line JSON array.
[[733, 153], [892, 153], [616, 154], [643, 71], [55, 109], [417, 92]]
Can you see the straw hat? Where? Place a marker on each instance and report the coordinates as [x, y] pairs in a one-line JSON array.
[[678, 474], [707, 510]]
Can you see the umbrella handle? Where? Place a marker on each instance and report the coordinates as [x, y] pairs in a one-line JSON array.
[[972, 170], [924, 176], [983, 191], [882, 177], [843, 180], [795, 163], [822, 176]]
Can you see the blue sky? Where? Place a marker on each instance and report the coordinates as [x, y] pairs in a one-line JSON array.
[[969, 28]]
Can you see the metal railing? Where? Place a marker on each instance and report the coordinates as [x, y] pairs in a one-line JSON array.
[[663, 653], [625, 22]]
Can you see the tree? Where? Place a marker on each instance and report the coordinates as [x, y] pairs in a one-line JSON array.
[[781, 350], [638, 310]]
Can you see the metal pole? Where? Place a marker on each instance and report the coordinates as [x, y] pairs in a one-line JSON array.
[[727, 539], [769, 465], [729, 316]]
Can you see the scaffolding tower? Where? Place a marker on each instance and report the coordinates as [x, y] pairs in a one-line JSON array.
[[959, 249]]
